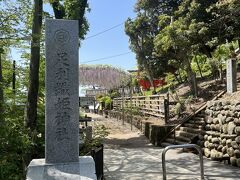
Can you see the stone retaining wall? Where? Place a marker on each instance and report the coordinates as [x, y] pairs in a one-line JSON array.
[[222, 139]]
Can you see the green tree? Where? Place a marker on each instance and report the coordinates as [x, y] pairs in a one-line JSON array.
[[142, 31], [219, 56], [9, 20], [224, 26], [185, 36], [71, 9], [172, 36]]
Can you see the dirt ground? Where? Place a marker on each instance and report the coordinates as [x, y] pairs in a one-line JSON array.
[[120, 135], [233, 97], [207, 90]]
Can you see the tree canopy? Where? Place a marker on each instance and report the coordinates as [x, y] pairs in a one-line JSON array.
[[166, 36], [72, 9]]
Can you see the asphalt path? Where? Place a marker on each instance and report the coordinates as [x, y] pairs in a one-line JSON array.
[[128, 155]]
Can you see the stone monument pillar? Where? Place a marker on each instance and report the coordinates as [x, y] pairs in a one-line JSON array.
[[231, 75], [62, 159], [62, 92]]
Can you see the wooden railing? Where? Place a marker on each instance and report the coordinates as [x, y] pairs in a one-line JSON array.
[[155, 105]]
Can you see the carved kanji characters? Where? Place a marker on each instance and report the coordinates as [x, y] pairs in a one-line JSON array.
[[61, 134]]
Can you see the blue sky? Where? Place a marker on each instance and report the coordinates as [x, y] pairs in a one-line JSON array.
[[105, 14]]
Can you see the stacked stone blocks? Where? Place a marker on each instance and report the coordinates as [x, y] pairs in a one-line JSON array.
[[222, 138]]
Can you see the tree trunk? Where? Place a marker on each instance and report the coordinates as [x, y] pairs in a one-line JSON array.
[[31, 105], [58, 9], [14, 80], [199, 68], [1, 89], [177, 78], [151, 82], [192, 80], [150, 77], [221, 73], [179, 74]]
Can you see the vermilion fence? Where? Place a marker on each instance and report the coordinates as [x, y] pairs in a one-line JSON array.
[[156, 83]]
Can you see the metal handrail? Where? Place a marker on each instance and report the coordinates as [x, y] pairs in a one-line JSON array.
[[182, 146]]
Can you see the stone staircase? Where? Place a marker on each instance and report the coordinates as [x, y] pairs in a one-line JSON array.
[[192, 131]]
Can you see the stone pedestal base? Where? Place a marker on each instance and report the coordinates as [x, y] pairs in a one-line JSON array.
[[82, 170]]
